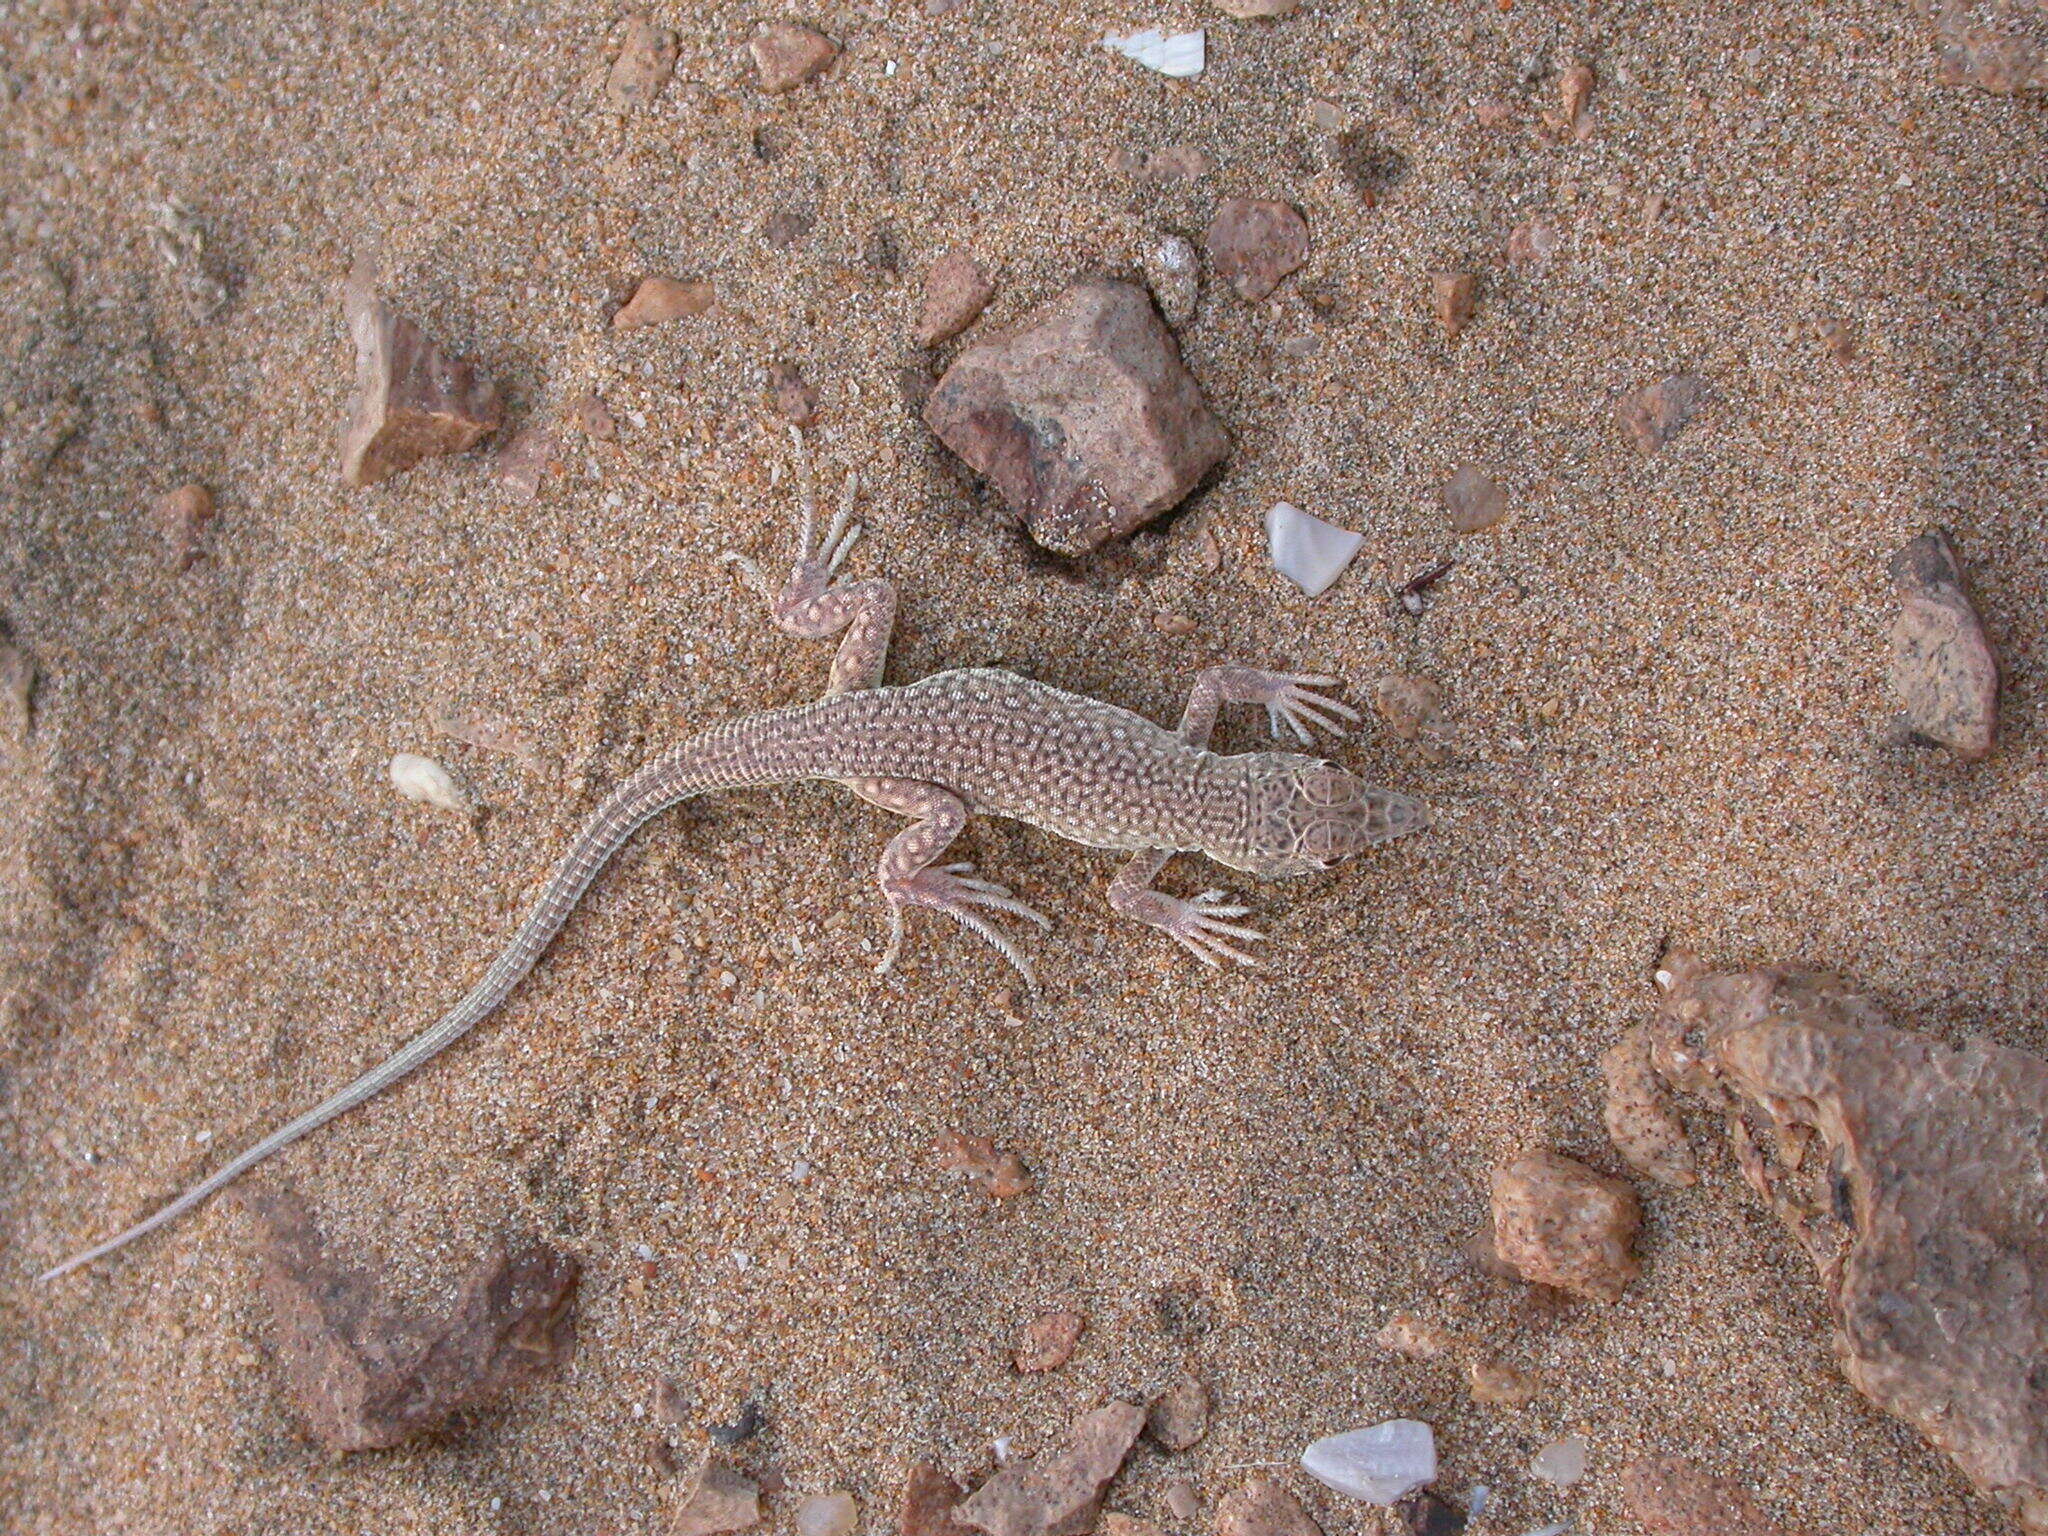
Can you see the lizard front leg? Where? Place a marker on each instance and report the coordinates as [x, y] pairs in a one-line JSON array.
[[814, 605], [911, 877], [1201, 925]]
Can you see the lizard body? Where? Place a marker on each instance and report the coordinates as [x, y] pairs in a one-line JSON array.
[[956, 743]]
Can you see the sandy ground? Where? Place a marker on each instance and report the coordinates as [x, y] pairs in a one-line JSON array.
[[1669, 675]]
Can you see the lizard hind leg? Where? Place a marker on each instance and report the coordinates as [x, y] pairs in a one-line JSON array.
[[910, 875]]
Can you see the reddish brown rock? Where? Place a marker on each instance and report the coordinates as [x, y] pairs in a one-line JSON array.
[[658, 299], [1942, 666], [1672, 1497], [929, 1499], [647, 57], [1916, 1175], [594, 416], [1254, 242], [792, 399], [720, 1501], [367, 1372], [1474, 500], [413, 401], [786, 55], [1500, 1385], [1061, 1494], [1557, 1222], [1048, 1342], [1264, 1507], [1999, 46], [183, 515], [1533, 242], [1084, 418], [1457, 296], [1654, 415], [523, 463], [956, 291], [1002, 1174], [1177, 1418], [1640, 1121]]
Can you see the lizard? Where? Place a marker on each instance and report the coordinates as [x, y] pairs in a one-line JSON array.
[[955, 743]]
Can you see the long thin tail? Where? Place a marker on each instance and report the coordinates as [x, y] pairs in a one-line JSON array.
[[708, 762]]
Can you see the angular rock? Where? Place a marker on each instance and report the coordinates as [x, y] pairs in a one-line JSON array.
[[1457, 297], [1174, 274], [1562, 1462], [1413, 709], [368, 1373], [1254, 242], [721, 1501], [786, 55], [647, 57], [1263, 1507], [523, 463], [183, 515], [658, 299], [1557, 1222], [413, 401], [1083, 417], [1942, 666], [1182, 1502], [1474, 500], [1672, 1497], [956, 291], [1382, 1464], [1640, 1121], [1177, 1418], [1048, 1342], [1057, 1495], [828, 1514], [929, 1499], [1655, 414], [1916, 1175]]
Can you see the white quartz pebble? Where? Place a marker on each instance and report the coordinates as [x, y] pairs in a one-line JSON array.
[[423, 779], [1562, 1462], [1306, 550], [1182, 55], [1380, 1465], [828, 1514]]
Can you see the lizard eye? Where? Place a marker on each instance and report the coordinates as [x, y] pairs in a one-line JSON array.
[[1327, 786], [1319, 842]]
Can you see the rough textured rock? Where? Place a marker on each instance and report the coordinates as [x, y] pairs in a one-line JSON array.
[[523, 462], [1641, 1123], [1557, 1222], [1264, 1507], [183, 516], [1424, 1514], [647, 57], [1178, 1417], [663, 298], [413, 401], [956, 291], [929, 1499], [1655, 414], [1413, 710], [1002, 1174], [720, 1501], [1916, 1175], [1057, 1495], [1474, 500], [1084, 417], [1500, 1385], [1255, 242], [589, 412], [1672, 1497], [1999, 46], [368, 1374], [786, 55], [1048, 1342], [1174, 274], [1942, 667]]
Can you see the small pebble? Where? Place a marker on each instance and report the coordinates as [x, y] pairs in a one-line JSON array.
[[647, 57], [956, 291], [1048, 1342], [1182, 56], [1379, 1465], [1308, 551], [1255, 242], [660, 299], [183, 515], [1456, 297], [791, 398], [1182, 1502], [1174, 274], [423, 779], [828, 1514], [1562, 1462], [1475, 502], [1533, 242], [1177, 1418], [1839, 340], [786, 55], [1179, 625]]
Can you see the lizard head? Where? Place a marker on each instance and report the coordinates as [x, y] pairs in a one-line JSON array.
[[1305, 815]]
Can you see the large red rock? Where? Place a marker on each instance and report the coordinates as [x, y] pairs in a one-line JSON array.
[[1060, 1494], [1084, 418], [1916, 1175]]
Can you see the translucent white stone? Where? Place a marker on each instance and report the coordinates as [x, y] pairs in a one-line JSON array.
[[1380, 1465], [828, 1514], [1306, 550], [1183, 55], [421, 778], [1562, 1462]]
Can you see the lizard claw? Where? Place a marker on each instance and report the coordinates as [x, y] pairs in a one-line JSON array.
[[1201, 926], [955, 891], [1296, 704]]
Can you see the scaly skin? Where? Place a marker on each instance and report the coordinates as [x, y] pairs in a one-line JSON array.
[[939, 750]]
